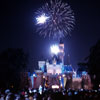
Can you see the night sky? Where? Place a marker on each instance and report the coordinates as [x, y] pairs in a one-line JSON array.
[[17, 29]]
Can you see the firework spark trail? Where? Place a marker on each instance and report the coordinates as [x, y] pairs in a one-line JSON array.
[[60, 21]]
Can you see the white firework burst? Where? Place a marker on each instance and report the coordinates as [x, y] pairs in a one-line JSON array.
[[58, 19]]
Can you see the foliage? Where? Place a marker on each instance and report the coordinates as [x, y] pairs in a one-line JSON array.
[[12, 62], [93, 64]]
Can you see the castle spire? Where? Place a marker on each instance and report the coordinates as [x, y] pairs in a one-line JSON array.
[[68, 59], [61, 51]]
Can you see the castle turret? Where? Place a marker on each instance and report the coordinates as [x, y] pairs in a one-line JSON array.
[[61, 51]]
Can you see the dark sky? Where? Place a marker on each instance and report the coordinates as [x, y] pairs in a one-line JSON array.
[[17, 29]]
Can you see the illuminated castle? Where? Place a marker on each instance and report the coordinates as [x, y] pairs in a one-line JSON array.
[[56, 64], [53, 73]]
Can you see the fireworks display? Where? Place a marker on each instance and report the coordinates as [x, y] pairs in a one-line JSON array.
[[55, 19], [41, 19]]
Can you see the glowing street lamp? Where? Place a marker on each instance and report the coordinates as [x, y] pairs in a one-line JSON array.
[[55, 49], [42, 19]]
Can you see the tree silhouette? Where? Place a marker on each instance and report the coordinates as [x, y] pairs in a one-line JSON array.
[[12, 62], [94, 64]]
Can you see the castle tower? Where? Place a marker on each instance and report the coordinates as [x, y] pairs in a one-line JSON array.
[[61, 51]]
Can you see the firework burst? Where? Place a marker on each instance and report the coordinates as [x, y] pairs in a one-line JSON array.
[[57, 21]]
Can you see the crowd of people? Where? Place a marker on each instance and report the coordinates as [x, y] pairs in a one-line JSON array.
[[50, 94]]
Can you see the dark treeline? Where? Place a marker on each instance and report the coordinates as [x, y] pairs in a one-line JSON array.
[[92, 64], [12, 62]]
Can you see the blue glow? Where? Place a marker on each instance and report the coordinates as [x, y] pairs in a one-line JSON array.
[[84, 73], [32, 80]]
